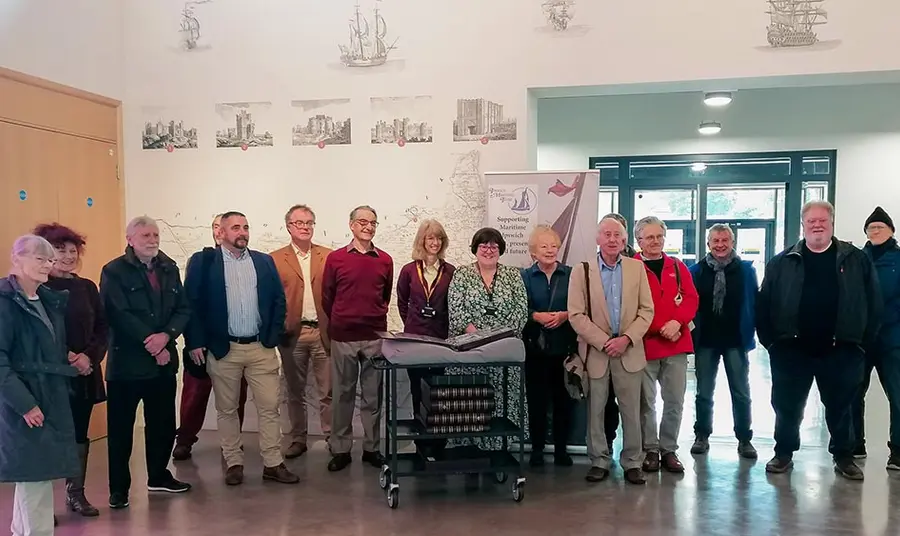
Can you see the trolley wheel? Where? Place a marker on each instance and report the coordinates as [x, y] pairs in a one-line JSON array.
[[518, 491], [393, 497], [500, 477], [384, 478]]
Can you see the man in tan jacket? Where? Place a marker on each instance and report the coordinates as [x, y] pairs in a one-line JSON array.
[[305, 341], [611, 310]]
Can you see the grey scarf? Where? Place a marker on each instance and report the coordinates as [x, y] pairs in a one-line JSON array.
[[719, 284]]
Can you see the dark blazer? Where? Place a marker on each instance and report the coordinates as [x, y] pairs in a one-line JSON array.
[[205, 287], [135, 312], [411, 300], [34, 371], [888, 268], [750, 286]]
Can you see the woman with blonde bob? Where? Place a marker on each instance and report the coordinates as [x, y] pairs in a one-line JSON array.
[[37, 433], [548, 338], [422, 300]]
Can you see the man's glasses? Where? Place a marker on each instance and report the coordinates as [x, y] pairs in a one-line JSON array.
[[301, 223], [367, 223]]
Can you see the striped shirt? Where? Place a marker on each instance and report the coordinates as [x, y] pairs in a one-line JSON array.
[[241, 294]]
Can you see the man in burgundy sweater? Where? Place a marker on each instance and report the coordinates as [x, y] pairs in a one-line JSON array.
[[356, 291]]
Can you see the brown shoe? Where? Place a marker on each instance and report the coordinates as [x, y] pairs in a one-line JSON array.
[[280, 473], [234, 475], [295, 451], [671, 463], [651, 462], [635, 476], [596, 474], [181, 453]]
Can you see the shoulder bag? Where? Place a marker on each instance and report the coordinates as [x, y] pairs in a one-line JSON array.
[[577, 383]]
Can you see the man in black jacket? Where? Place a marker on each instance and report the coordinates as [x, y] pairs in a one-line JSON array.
[[818, 309], [147, 310]]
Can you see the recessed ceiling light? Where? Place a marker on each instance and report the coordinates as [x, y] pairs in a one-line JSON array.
[[698, 167], [708, 128], [718, 99]]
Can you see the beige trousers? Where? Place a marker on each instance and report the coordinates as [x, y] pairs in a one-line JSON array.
[[296, 362], [627, 386], [351, 368], [260, 366], [33, 509]]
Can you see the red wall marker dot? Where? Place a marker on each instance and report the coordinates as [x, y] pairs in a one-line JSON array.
[[401, 142], [484, 140], [243, 146], [321, 145], [170, 147]]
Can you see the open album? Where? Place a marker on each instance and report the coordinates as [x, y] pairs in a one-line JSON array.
[[460, 343]]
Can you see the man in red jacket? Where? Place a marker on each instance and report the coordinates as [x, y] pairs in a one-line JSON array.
[[667, 343]]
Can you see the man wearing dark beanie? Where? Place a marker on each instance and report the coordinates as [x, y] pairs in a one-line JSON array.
[[884, 356]]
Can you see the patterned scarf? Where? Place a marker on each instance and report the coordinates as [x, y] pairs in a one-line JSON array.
[[719, 284]]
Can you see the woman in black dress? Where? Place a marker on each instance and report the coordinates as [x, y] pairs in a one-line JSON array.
[[86, 340]]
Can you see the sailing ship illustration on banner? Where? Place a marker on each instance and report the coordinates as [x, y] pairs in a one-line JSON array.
[[367, 46], [792, 22], [565, 223], [558, 13], [190, 27]]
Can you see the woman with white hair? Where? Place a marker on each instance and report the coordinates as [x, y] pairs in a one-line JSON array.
[[37, 434]]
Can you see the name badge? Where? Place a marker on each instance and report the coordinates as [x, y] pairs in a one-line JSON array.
[[428, 312], [490, 311]]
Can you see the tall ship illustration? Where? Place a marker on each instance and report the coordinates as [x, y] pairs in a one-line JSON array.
[[559, 13], [367, 47], [190, 27], [792, 22]]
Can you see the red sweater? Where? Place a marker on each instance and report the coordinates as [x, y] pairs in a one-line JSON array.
[[664, 291], [356, 291]]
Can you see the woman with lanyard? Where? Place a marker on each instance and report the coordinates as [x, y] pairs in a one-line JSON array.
[[548, 338], [489, 294], [422, 300]]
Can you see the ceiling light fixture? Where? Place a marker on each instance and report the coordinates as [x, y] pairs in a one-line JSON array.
[[698, 167], [708, 128], [717, 99]]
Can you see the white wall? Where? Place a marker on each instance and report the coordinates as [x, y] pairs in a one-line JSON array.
[[73, 42], [861, 122]]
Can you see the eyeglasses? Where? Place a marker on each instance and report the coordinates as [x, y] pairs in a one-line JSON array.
[[301, 223], [367, 223], [488, 247]]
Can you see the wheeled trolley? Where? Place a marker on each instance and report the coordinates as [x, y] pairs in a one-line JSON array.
[[501, 463]]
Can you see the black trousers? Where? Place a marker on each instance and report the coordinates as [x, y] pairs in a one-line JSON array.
[[425, 446], [81, 416], [838, 373], [545, 387], [158, 395]]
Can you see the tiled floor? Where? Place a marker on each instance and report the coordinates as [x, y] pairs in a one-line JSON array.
[[718, 495]]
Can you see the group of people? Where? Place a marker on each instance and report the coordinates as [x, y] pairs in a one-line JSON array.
[[827, 311]]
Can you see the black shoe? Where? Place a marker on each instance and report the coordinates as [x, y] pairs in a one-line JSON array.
[[700, 446], [893, 463], [339, 462], [848, 469], [779, 464], [747, 451], [169, 485], [596, 474], [536, 459], [859, 453], [118, 500], [375, 459], [562, 460]]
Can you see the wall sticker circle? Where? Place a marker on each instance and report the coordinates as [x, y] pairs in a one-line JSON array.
[[23, 195], [90, 201]]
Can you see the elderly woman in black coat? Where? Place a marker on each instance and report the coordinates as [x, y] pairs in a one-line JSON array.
[[37, 435]]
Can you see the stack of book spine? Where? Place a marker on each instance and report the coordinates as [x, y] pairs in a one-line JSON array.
[[456, 404]]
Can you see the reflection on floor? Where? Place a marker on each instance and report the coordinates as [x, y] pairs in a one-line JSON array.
[[718, 494]]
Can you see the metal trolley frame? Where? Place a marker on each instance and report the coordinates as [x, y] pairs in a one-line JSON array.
[[503, 462]]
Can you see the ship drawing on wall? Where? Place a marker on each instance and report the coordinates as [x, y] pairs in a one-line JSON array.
[[559, 13], [792, 22], [481, 119], [189, 29], [367, 45]]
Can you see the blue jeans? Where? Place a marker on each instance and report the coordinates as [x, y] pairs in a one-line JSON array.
[[887, 363], [737, 368]]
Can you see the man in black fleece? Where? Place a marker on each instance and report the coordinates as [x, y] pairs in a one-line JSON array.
[[818, 309]]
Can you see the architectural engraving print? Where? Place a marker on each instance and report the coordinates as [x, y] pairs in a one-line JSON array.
[[401, 120], [163, 129], [321, 122], [481, 119], [368, 41], [243, 124]]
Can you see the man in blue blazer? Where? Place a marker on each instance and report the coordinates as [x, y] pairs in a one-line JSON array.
[[724, 328], [238, 317]]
